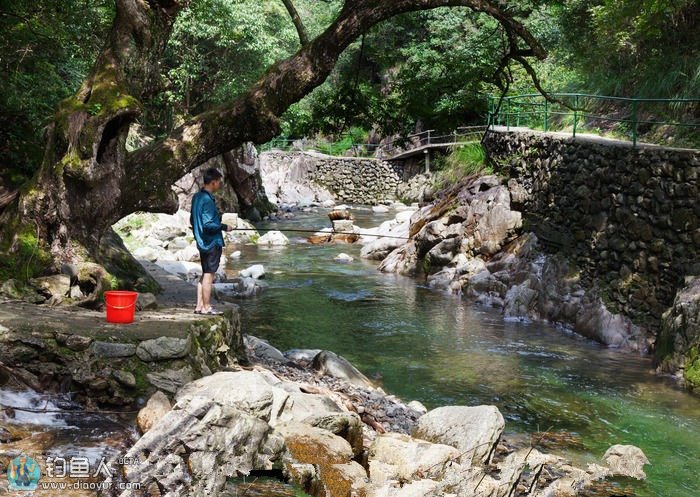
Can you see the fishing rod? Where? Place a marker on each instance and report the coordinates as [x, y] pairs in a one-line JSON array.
[[317, 232]]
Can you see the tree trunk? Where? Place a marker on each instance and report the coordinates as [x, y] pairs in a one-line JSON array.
[[64, 215], [88, 181]]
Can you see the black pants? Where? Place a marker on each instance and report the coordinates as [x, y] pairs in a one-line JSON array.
[[210, 260]]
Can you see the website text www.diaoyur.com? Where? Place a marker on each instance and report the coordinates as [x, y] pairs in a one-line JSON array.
[[85, 485]]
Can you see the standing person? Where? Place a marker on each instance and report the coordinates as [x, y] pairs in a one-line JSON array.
[[207, 227]]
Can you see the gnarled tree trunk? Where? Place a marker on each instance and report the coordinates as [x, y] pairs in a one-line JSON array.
[[88, 180]]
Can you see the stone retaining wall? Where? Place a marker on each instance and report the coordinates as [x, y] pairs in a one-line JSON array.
[[630, 217], [308, 176], [106, 364]]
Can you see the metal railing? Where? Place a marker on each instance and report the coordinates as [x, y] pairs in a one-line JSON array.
[[579, 111], [396, 146]]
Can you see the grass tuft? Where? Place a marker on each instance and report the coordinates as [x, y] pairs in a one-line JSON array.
[[463, 161]]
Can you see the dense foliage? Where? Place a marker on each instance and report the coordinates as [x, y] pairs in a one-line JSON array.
[[46, 48], [427, 69]]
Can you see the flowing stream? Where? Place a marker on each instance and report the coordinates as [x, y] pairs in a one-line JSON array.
[[424, 345]]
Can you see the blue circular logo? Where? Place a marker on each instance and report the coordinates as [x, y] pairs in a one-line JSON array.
[[23, 473]]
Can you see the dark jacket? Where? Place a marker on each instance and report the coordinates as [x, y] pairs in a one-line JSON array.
[[206, 222]]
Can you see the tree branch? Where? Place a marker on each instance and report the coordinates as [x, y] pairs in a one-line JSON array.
[[301, 30], [255, 115]]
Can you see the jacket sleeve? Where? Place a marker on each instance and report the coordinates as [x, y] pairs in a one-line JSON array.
[[211, 223]]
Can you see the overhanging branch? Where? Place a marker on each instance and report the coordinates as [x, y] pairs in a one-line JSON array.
[[298, 24], [255, 115]]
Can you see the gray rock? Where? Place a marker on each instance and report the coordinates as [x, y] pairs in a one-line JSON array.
[[230, 219], [110, 349], [393, 456], [417, 406], [519, 301], [474, 431], [273, 238], [303, 357], [188, 254], [168, 232], [626, 460], [163, 348], [78, 342], [150, 254], [188, 271], [343, 225], [178, 244], [57, 285], [124, 377], [345, 258], [680, 333], [171, 380], [238, 288], [595, 321], [263, 349], [146, 301], [256, 272], [331, 364]]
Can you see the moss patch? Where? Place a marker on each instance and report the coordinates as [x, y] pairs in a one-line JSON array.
[[22, 255], [692, 369]]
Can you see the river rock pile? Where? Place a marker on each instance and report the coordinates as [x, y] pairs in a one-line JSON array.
[[471, 241], [282, 415]]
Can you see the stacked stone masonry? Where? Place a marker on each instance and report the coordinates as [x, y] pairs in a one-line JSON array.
[[349, 179], [629, 217]]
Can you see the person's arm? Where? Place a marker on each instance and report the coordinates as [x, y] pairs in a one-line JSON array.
[[211, 223]]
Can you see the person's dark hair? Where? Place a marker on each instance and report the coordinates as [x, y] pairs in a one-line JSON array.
[[211, 174]]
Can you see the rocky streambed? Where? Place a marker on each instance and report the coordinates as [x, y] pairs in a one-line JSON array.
[[309, 417], [313, 418]]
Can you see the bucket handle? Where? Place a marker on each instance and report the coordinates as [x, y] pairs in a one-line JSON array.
[[120, 306]]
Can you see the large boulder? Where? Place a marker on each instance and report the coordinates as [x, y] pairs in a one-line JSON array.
[[273, 238], [394, 456], [626, 460], [474, 431], [286, 179], [232, 423], [678, 345], [379, 242], [321, 462]]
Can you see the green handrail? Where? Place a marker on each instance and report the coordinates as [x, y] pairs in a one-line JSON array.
[[534, 110], [461, 135]]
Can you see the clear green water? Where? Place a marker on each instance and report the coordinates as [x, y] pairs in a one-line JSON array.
[[437, 349]]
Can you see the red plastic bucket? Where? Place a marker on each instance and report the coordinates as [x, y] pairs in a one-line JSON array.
[[120, 306]]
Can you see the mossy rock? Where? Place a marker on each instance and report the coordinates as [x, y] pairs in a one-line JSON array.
[[691, 373]]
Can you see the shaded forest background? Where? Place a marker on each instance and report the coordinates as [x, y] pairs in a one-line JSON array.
[[421, 70]]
